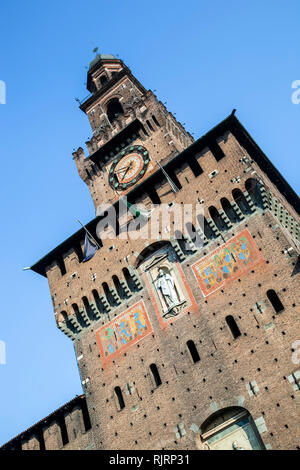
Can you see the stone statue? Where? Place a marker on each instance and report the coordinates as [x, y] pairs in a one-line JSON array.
[[235, 446], [165, 284]]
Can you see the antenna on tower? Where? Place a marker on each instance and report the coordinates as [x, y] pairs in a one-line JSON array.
[[95, 50]]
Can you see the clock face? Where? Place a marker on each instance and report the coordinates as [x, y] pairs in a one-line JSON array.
[[128, 167]]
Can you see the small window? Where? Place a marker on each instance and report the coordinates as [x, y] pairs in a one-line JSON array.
[[119, 398], [103, 79], [275, 301], [235, 331], [193, 351], [155, 375]]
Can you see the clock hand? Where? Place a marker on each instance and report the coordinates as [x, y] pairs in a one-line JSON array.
[[129, 166], [122, 169]]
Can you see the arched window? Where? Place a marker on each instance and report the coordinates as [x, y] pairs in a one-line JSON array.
[[155, 375], [114, 109], [103, 79], [229, 210], [235, 331], [275, 301], [193, 351], [217, 219], [119, 398], [241, 201]]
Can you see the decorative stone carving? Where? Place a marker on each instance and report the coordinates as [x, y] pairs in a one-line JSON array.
[[166, 282]]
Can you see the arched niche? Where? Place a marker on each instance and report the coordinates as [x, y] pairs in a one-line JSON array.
[[230, 428], [149, 250]]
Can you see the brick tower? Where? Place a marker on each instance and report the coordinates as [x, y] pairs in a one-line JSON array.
[[185, 339]]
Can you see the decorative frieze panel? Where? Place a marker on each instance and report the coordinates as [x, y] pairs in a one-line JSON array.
[[123, 331], [226, 263]]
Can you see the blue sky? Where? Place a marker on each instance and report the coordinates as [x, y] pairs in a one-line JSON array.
[[203, 57]]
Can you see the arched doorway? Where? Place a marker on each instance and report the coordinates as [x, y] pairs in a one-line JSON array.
[[231, 428]]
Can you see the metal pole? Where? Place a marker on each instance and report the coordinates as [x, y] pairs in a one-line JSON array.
[[84, 227]]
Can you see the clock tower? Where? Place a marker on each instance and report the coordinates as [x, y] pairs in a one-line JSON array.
[[179, 344], [132, 131]]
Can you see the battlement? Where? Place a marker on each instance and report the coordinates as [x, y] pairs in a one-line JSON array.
[[68, 427]]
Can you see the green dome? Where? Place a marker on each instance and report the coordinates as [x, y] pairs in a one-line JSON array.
[[100, 57]]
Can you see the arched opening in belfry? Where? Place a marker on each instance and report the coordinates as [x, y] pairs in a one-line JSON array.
[[241, 201], [103, 79], [232, 324], [114, 109], [275, 301], [229, 210], [253, 188], [231, 428], [217, 219]]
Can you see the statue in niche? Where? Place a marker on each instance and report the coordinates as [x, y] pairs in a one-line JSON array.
[[166, 286]]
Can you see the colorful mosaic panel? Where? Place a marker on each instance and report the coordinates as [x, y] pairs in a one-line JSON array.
[[228, 262], [123, 331]]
